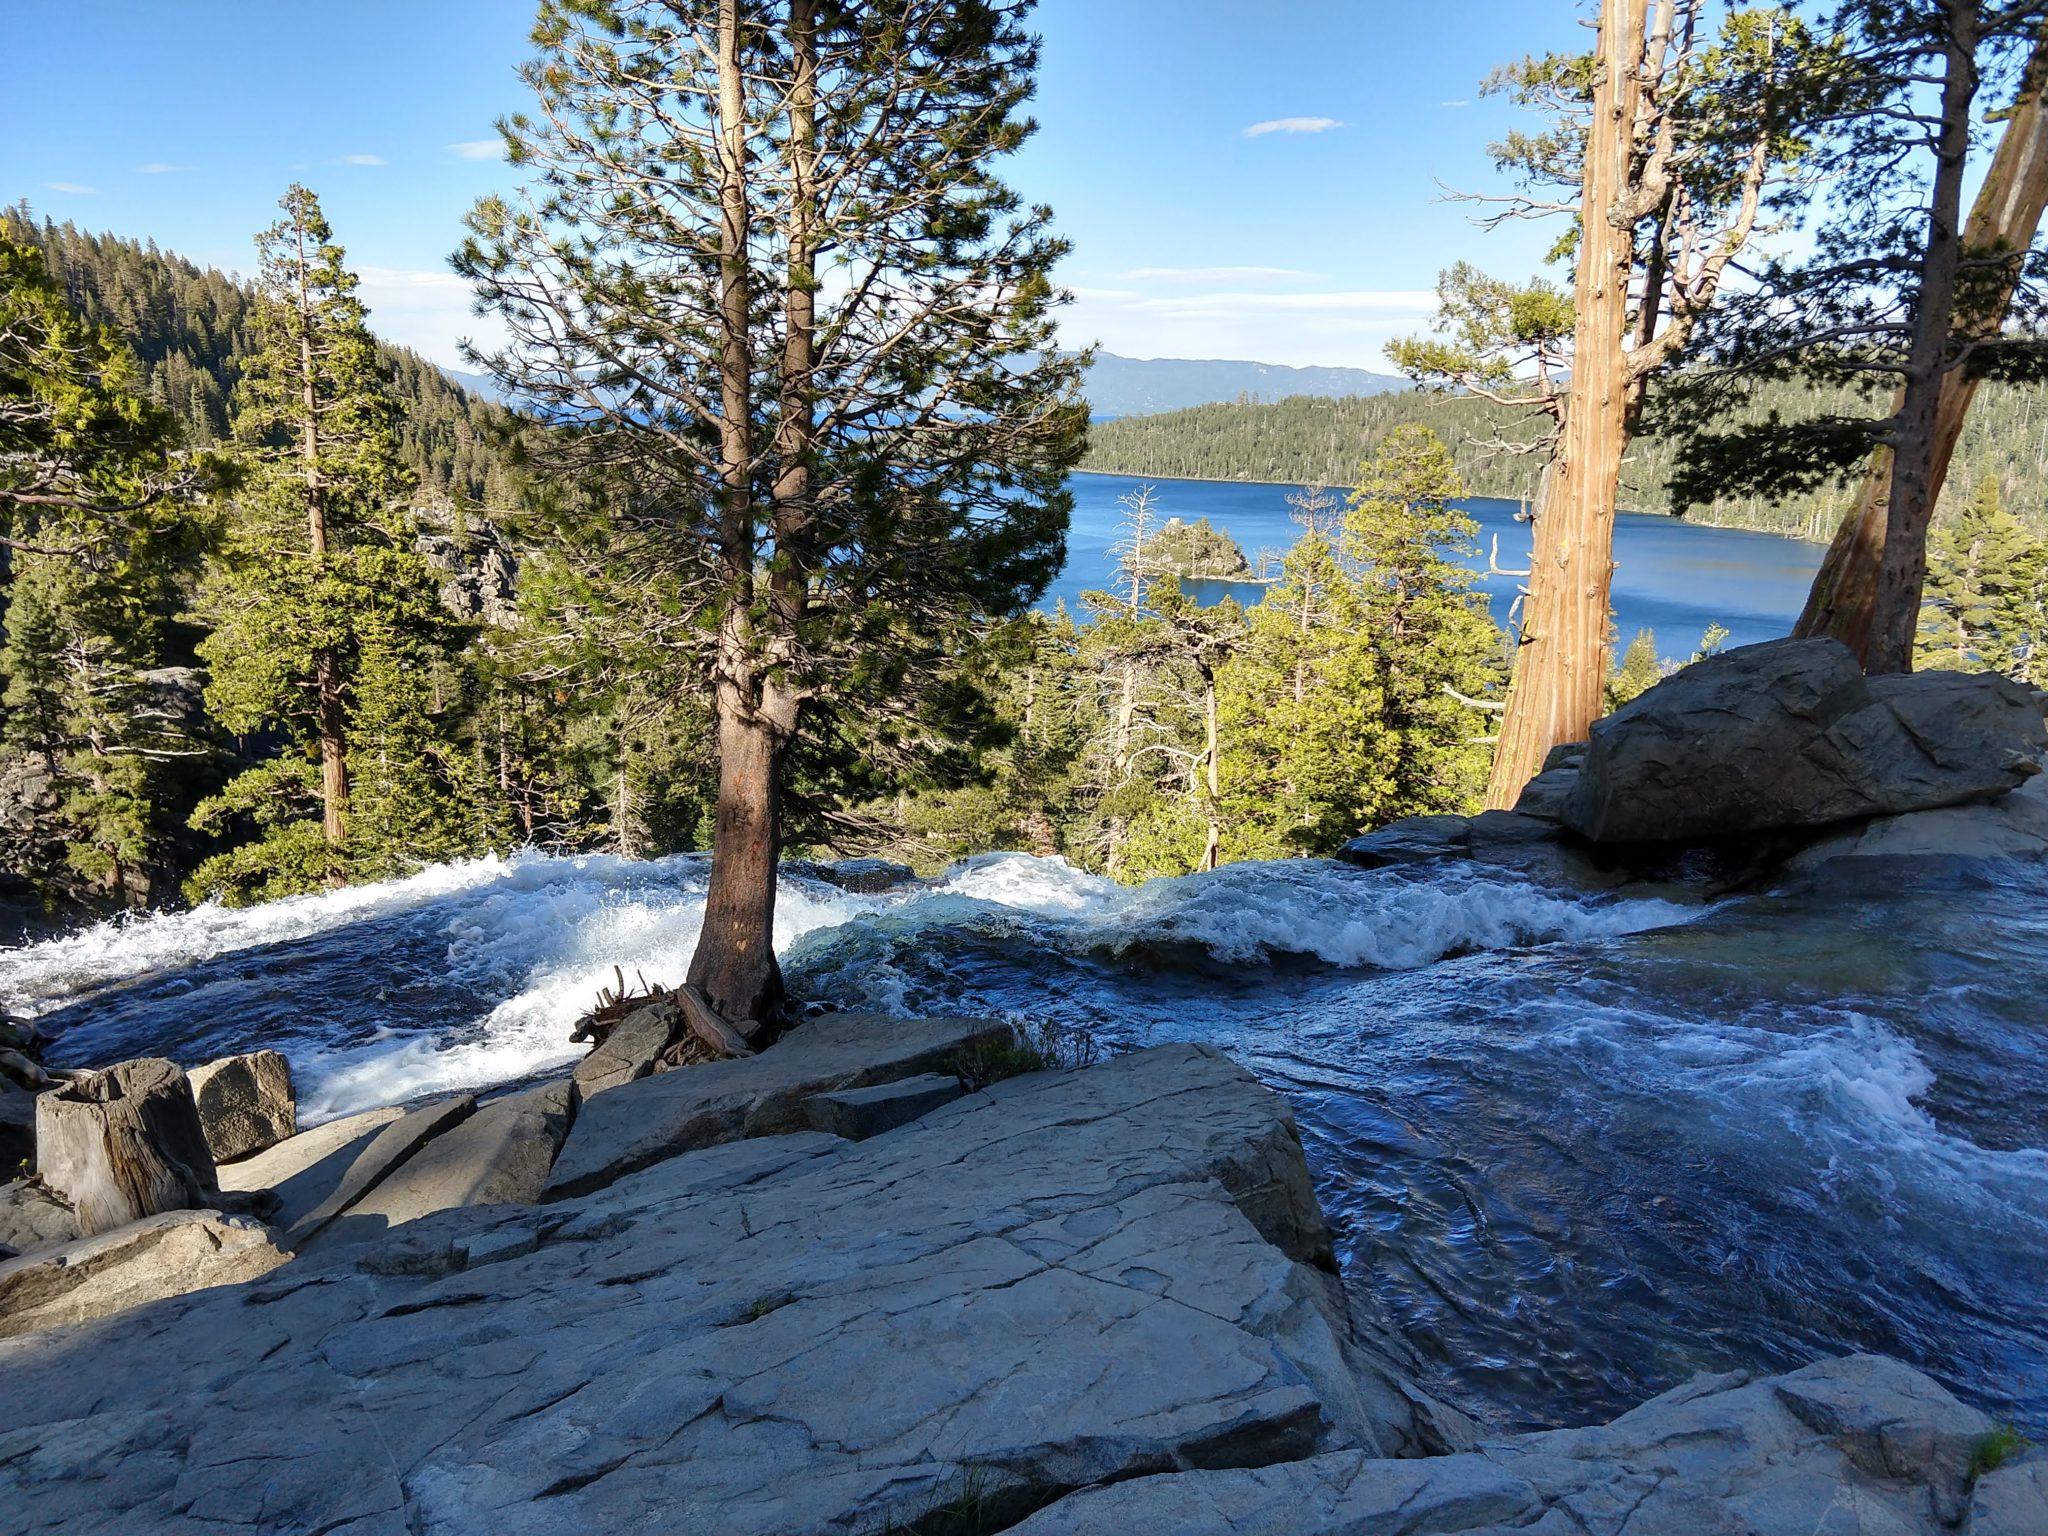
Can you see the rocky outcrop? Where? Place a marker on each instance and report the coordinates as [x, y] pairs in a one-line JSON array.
[[858, 1113], [32, 1216], [479, 568], [638, 1123], [498, 1156], [305, 1171], [172, 1254], [384, 1152], [629, 1051], [1790, 735], [1069, 1279], [246, 1103], [1855, 1445], [2011, 1500]]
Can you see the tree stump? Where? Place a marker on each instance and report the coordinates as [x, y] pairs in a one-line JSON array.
[[125, 1143]]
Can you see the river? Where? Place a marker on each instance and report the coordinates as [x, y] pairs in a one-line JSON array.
[[1671, 576], [1576, 1147]]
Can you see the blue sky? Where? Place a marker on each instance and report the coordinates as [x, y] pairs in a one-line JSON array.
[[1312, 242]]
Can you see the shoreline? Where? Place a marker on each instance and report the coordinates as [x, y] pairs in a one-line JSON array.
[[1663, 517]]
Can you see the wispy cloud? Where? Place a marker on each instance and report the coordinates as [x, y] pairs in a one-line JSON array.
[[361, 160], [1292, 125], [1218, 275], [70, 186], [1454, 103], [477, 149], [426, 310], [159, 168]]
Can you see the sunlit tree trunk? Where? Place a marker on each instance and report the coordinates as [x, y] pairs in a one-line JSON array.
[[1556, 692], [2004, 219]]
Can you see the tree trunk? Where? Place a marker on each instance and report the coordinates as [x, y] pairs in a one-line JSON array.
[[2004, 218], [1556, 693], [333, 759], [734, 966], [1902, 568], [123, 1144], [1212, 853]]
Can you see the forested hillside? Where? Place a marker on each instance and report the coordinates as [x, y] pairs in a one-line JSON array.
[[191, 329], [1303, 439]]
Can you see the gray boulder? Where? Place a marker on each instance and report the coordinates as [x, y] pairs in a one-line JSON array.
[[33, 1216], [1790, 734], [172, 1254], [627, 1128], [246, 1103], [1861, 1445], [629, 1051], [2011, 1500], [498, 1156], [1057, 1282], [304, 1170], [385, 1151], [858, 1113]]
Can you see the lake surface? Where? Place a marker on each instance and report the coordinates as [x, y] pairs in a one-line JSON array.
[[1672, 576]]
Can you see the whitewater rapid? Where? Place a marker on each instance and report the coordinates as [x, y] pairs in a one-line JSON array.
[[520, 946], [1575, 1147]]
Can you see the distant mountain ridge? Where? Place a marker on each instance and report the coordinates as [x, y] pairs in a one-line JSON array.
[[1148, 386]]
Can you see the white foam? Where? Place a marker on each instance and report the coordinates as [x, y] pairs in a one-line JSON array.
[[540, 934]]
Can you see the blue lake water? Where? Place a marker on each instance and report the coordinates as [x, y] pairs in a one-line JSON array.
[[1671, 576]]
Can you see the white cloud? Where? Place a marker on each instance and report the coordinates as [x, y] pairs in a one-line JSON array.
[[361, 160], [70, 186], [159, 168], [1342, 328], [477, 149], [1292, 125], [1454, 103], [427, 311], [1217, 275]]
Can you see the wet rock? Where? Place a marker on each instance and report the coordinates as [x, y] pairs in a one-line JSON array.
[[246, 1103], [629, 1051], [386, 1151], [1790, 734], [2011, 829], [306, 1169], [169, 1255], [865, 877], [627, 1128], [1719, 1455], [1057, 1282], [498, 1156], [33, 1216], [858, 1113]]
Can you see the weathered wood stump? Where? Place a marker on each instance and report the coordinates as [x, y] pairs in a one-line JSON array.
[[125, 1143]]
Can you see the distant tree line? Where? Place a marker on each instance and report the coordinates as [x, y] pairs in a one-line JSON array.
[[1305, 440]]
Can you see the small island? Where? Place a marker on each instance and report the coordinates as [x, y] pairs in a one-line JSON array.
[[1198, 551]]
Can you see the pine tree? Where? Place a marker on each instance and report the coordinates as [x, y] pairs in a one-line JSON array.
[[1638, 671], [97, 534], [1985, 574], [1439, 649], [820, 493], [325, 626]]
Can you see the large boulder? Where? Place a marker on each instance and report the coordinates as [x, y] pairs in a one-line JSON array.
[[386, 1151], [303, 1171], [160, 1256], [246, 1103], [1067, 1279], [1790, 734], [638, 1123], [33, 1216], [1860, 1445], [498, 1156]]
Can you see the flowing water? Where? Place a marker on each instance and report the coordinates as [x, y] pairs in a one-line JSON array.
[[1576, 1148]]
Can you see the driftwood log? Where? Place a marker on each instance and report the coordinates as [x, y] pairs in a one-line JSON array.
[[700, 1032], [125, 1143]]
